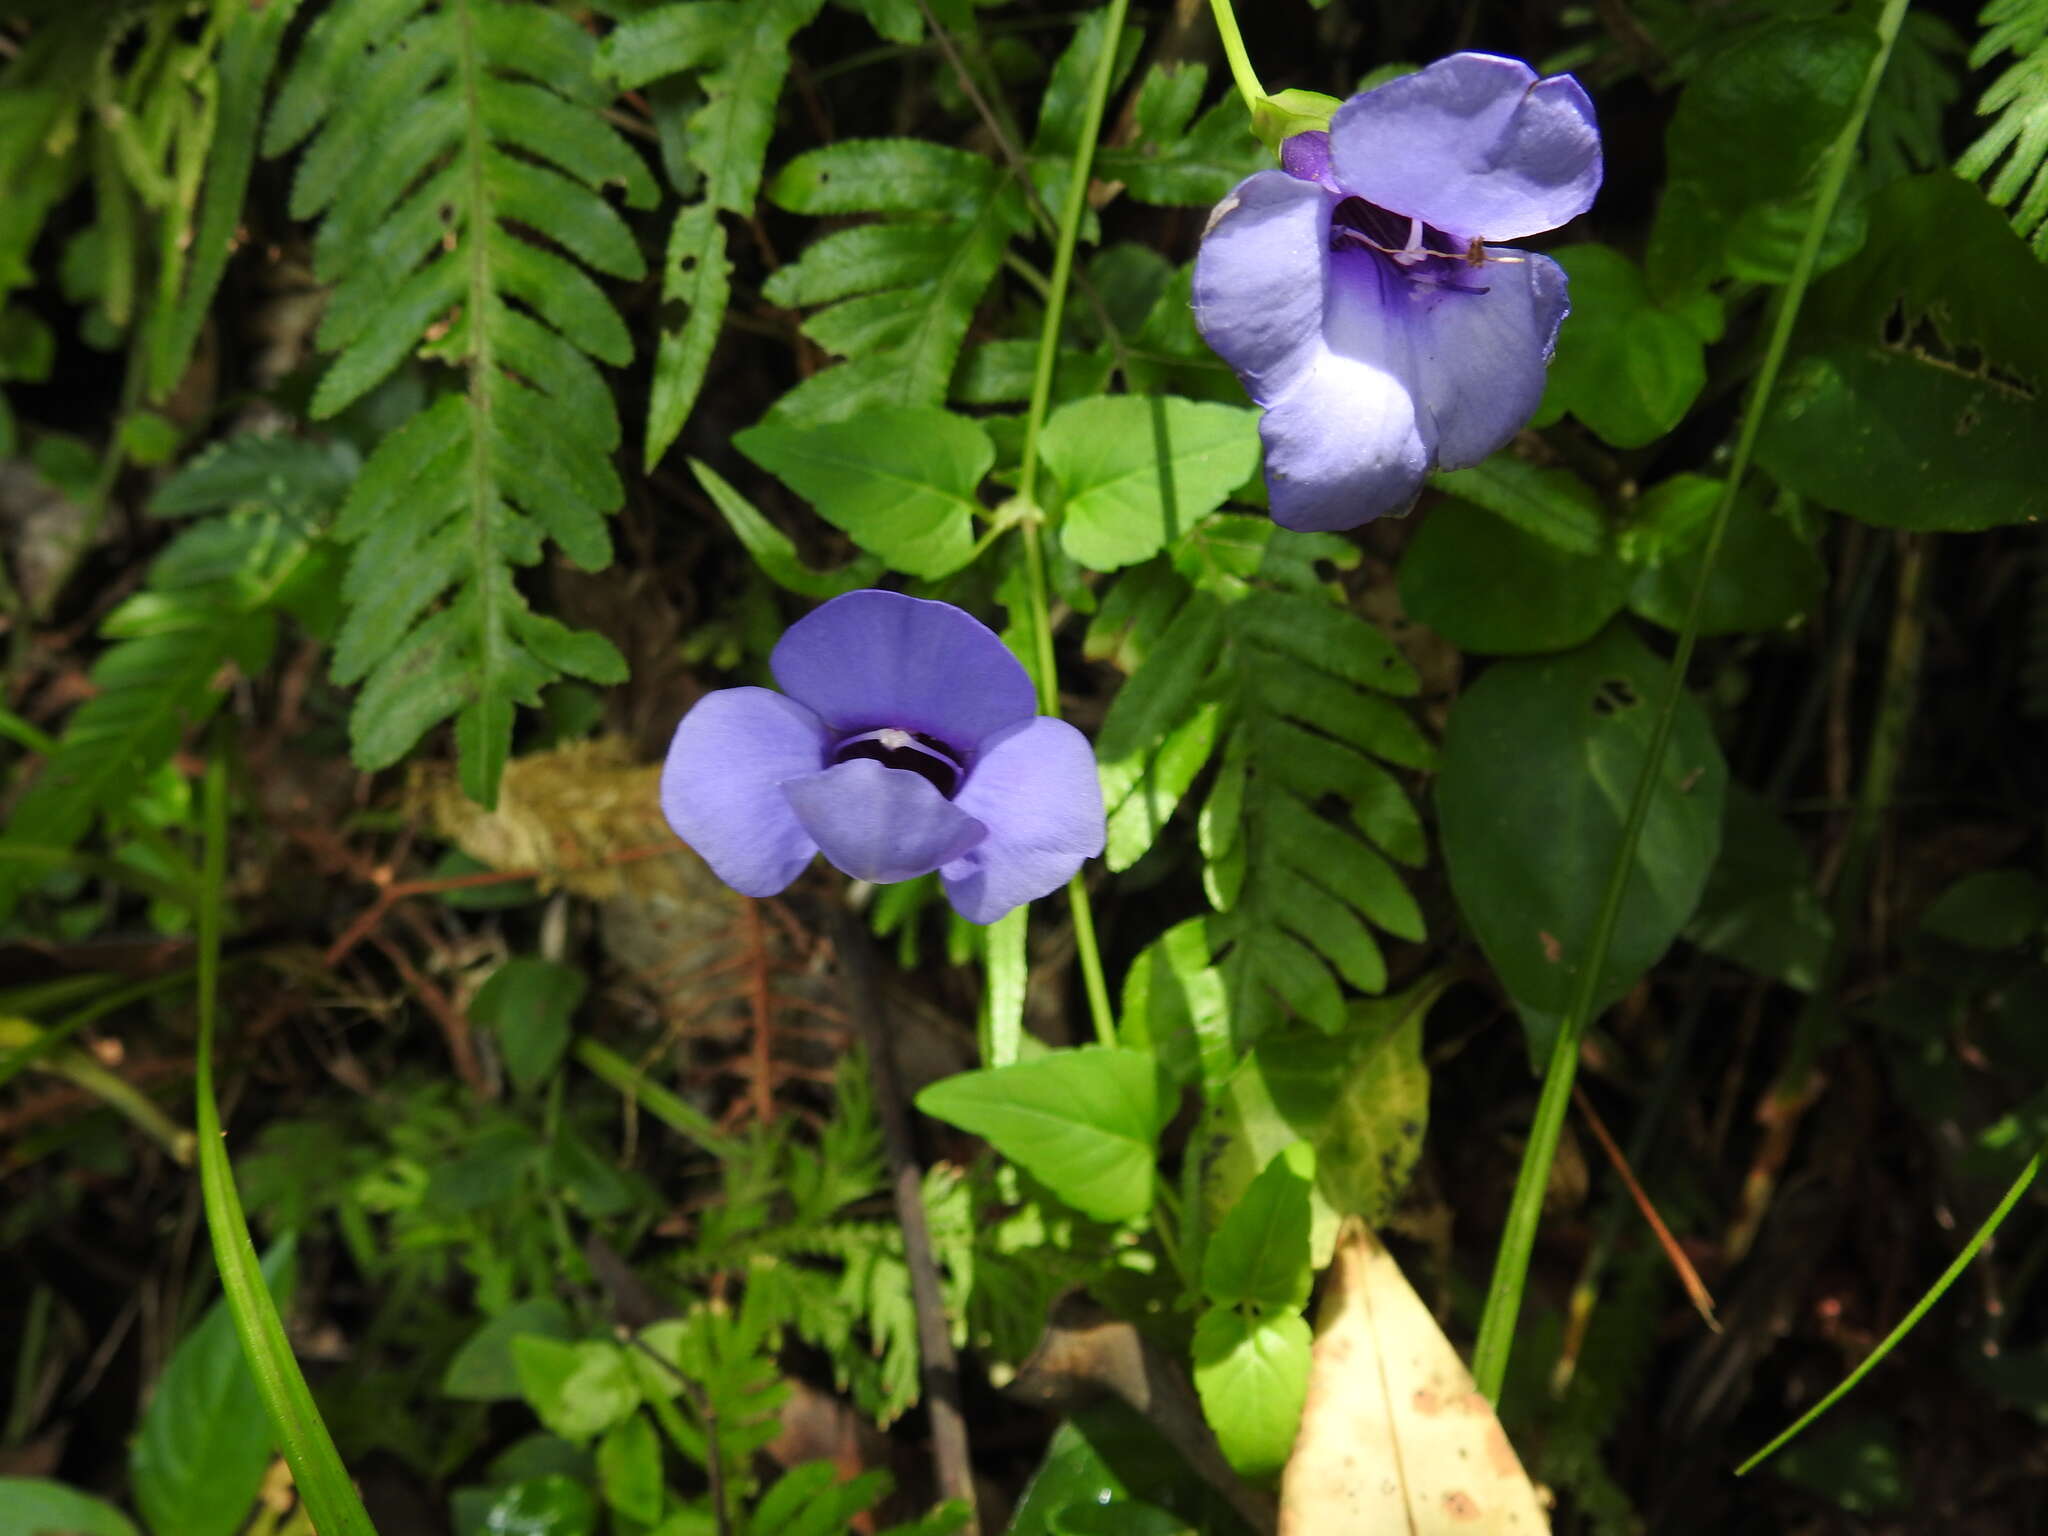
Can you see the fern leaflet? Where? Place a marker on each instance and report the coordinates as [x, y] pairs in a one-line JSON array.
[[741, 48], [1238, 648], [2019, 101], [446, 140], [899, 292]]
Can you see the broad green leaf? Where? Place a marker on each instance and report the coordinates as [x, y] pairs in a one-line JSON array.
[[1751, 127], [1258, 1256], [696, 283], [1136, 473], [483, 1370], [1107, 1457], [527, 1003], [1085, 1122], [34, 1506], [1625, 366], [1553, 504], [629, 1469], [1252, 1374], [1540, 759], [1915, 397], [1760, 908], [204, 1442], [1906, 442], [553, 1505], [902, 482], [579, 1390], [1993, 909], [1359, 1098], [1486, 585], [1766, 576]]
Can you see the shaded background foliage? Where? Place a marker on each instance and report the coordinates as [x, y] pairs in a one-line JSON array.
[[292, 293]]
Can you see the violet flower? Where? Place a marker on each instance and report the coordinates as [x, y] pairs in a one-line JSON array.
[[906, 739], [1356, 295]]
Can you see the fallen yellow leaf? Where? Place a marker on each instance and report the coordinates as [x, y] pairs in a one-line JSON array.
[[1394, 1438]]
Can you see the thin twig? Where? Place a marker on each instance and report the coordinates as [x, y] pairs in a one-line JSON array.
[[940, 1368], [1689, 1277]]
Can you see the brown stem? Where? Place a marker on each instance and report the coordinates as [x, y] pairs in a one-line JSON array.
[[941, 1369]]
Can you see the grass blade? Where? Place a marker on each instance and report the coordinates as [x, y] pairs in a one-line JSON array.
[[302, 1436]]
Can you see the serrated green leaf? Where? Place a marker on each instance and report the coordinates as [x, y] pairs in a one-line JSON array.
[[1137, 473], [527, 1002], [579, 1390], [902, 482], [1085, 1122], [1252, 1374], [1258, 1256], [1625, 367]]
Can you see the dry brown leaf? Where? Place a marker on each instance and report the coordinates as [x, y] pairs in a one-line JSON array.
[[1394, 1439]]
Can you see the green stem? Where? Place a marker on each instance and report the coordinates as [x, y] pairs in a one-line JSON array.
[[1071, 213], [1525, 1210], [1233, 49], [1948, 1278]]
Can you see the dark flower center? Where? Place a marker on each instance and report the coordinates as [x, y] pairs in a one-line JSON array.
[[912, 751], [1418, 251]]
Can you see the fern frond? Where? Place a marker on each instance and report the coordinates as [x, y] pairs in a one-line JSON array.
[[2018, 99], [212, 597], [739, 50], [900, 293], [1258, 666], [445, 141]]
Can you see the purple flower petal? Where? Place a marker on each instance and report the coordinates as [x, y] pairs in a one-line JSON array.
[[872, 658], [1344, 443], [719, 785], [1307, 156], [881, 824], [1259, 277], [1479, 357], [1475, 145], [1036, 790]]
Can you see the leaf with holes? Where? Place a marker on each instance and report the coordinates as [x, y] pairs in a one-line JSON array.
[[1540, 759]]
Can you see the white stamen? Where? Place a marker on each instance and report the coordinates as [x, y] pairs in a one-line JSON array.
[[893, 740]]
